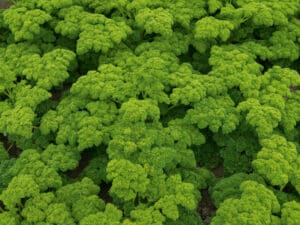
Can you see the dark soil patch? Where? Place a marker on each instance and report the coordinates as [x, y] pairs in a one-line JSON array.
[[206, 207], [218, 171], [86, 157], [289, 188], [57, 94], [4, 5], [13, 150], [295, 88], [104, 192]]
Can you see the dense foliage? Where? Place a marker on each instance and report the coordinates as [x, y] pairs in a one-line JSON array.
[[115, 112]]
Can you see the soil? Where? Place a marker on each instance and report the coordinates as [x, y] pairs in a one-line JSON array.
[[57, 94], [86, 157], [13, 151], [4, 5], [296, 88], [206, 207], [218, 171], [104, 192]]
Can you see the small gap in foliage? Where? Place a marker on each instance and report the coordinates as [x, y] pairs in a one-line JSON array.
[[236, 95], [86, 157], [169, 113], [104, 192], [2, 207], [58, 93], [208, 154], [13, 150], [198, 60], [266, 64], [87, 62], [218, 171], [289, 188], [206, 208]]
